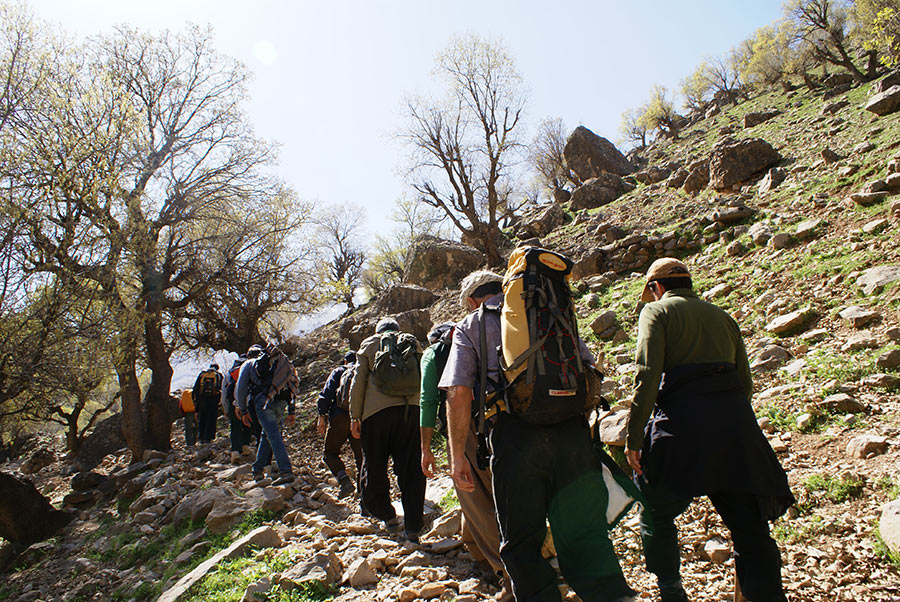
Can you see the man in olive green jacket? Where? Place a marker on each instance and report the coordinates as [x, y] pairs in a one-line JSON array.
[[388, 426], [692, 432]]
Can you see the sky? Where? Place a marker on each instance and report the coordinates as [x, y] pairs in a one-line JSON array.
[[330, 76]]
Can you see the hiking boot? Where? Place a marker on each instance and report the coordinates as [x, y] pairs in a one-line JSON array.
[[235, 457], [283, 479], [258, 475], [347, 488], [412, 536], [392, 525], [246, 450]]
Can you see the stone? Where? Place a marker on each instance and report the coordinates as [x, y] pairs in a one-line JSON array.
[[105, 438], [875, 226], [604, 322], [697, 178], [733, 215], [26, 516], [399, 297], [262, 537], [589, 155], [435, 263], [225, 514], [829, 156], [720, 290], [769, 358], [772, 180], [756, 117], [542, 222], [733, 161], [652, 175], [717, 550], [885, 102], [874, 279], [561, 195], [882, 381], [613, 428], [82, 481], [864, 446], [39, 459], [325, 567], [841, 402], [863, 147], [807, 229], [860, 340], [830, 108], [889, 526], [256, 591], [790, 322], [888, 81], [782, 240], [867, 199], [448, 524], [889, 360], [804, 421], [676, 180], [598, 191], [360, 574], [760, 233], [858, 316], [735, 249], [814, 336]]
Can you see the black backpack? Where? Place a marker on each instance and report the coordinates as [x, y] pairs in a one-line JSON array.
[[441, 355], [209, 381], [342, 395]]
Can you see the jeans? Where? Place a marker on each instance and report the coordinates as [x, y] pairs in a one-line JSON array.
[[756, 558], [271, 442]]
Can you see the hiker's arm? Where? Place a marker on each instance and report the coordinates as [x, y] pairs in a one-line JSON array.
[[459, 415], [649, 357], [428, 465]]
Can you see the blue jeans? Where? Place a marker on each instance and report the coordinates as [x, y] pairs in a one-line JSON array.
[[271, 442]]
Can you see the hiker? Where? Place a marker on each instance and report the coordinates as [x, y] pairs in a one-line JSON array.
[[479, 520], [207, 392], [239, 433], [189, 412], [539, 471], [384, 413], [697, 435], [269, 383], [333, 423]]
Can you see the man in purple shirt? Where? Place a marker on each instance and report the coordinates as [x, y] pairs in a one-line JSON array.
[[538, 472]]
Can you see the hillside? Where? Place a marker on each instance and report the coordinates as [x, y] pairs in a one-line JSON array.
[[811, 275]]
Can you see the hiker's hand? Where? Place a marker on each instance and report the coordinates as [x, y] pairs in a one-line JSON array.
[[244, 417], [321, 425], [462, 475], [354, 428], [634, 460], [290, 420], [428, 466]]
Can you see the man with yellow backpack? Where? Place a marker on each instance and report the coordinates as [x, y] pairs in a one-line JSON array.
[[519, 356]]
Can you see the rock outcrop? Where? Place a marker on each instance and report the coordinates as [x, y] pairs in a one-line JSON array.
[[437, 264], [26, 516], [590, 155], [732, 162]]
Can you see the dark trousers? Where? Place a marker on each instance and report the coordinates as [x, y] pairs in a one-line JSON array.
[[190, 428], [207, 413], [339, 433], [239, 433], [542, 472], [393, 433], [756, 556]]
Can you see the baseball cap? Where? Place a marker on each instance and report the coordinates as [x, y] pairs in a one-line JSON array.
[[667, 267]]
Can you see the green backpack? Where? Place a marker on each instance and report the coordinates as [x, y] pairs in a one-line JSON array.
[[396, 369]]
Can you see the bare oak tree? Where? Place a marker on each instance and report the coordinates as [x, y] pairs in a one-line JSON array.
[[547, 156], [465, 145], [824, 26], [338, 234]]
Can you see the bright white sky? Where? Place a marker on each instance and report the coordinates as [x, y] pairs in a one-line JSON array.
[[330, 74]]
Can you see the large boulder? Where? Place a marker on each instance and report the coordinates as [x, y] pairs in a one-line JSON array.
[[757, 117], [887, 82], [415, 321], [403, 297], [542, 221], [733, 161], [26, 516], [886, 102], [697, 178], [599, 191], [105, 439], [436, 263], [590, 155]]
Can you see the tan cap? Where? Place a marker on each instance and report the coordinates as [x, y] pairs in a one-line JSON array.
[[667, 267]]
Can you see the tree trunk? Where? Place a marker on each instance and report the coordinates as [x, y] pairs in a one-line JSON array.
[[132, 415], [159, 421], [871, 65], [73, 443]]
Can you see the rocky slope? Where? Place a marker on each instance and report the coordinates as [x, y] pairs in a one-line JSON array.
[[787, 209]]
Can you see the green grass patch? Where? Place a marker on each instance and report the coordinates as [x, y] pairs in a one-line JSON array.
[[882, 550], [449, 501], [890, 487], [787, 531], [778, 417], [828, 365], [834, 489]]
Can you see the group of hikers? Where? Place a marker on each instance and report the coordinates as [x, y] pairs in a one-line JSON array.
[[512, 386]]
